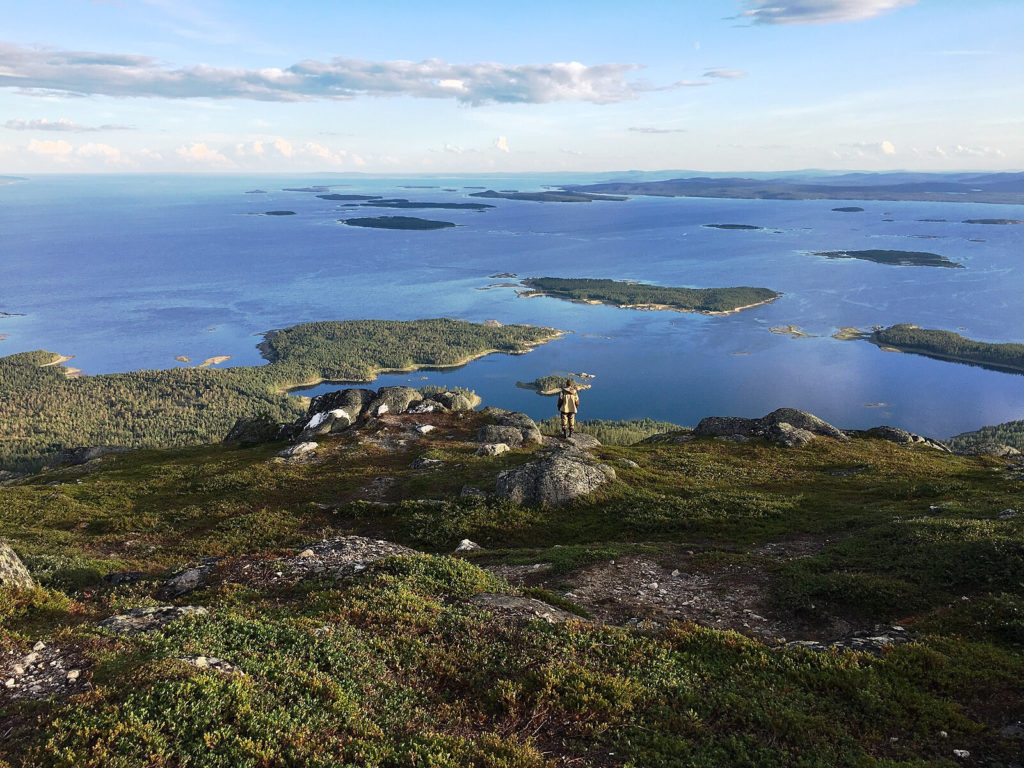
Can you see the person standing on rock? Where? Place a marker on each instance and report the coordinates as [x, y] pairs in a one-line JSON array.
[[568, 404]]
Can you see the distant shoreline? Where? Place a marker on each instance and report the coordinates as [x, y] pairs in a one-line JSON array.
[[530, 294]]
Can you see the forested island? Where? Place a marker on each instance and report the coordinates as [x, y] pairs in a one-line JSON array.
[[732, 226], [993, 221], [630, 295], [550, 385], [849, 209], [947, 345], [397, 222], [349, 197], [894, 258], [549, 197], [44, 412]]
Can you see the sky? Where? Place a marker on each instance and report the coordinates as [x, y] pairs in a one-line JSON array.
[[407, 86]]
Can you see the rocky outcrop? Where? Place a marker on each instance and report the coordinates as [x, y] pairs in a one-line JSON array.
[[13, 573], [140, 620], [528, 430], [492, 449], [252, 430], [785, 426], [299, 449], [991, 448], [554, 480], [74, 457], [393, 400], [344, 556], [902, 437], [189, 579], [493, 433]]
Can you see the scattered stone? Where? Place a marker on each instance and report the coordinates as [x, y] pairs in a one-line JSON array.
[[492, 449], [47, 671], [189, 579], [467, 546], [13, 573], [212, 662], [903, 437], [522, 608], [424, 463], [425, 429], [1013, 731], [343, 557], [140, 620], [963, 754], [39, 646], [861, 640], [1006, 514], [124, 577], [299, 449], [629, 463], [553, 481], [469, 490]]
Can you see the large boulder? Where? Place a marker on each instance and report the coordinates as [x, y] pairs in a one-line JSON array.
[[250, 430], [393, 400], [492, 433], [903, 437], [785, 426], [528, 429], [13, 573], [553, 481], [455, 400], [351, 401]]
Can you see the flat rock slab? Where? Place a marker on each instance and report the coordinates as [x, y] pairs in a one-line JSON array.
[[343, 557], [140, 620], [522, 608]]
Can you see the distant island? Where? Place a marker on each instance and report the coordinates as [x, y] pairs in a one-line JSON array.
[[550, 385], [849, 209], [307, 189], [548, 197], [946, 345], [993, 221], [402, 203], [732, 226], [630, 295], [894, 258], [937, 187], [256, 192], [279, 213], [349, 197], [397, 222]]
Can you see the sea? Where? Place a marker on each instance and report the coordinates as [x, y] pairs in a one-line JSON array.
[[126, 272]]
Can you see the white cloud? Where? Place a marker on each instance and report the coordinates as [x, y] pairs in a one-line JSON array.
[[726, 74], [109, 154], [284, 147], [202, 154], [887, 148], [817, 11], [37, 71], [963, 151], [55, 148], [60, 124], [650, 129], [501, 143], [249, 149], [864, 149]]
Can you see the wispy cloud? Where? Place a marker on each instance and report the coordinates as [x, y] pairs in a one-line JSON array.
[[34, 70], [645, 129], [817, 11], [60, 124], [501, 143], [726, 74], [865, 149]]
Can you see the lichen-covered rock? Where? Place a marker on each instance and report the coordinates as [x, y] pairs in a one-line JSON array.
[[768, 427], [251, 430], [140, 620], [521, 608], [991, 448], [903, 437], [584, 442], [803, 420], [786, 434], [343, 556], [454, 401], [492, 449], [493, 433], [393, 400], [719, 426], [552, 481], [13, 573], [299, 449], [527, 427], [352, 402]]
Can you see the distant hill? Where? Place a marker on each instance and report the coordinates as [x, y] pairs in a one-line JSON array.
[[937, 187]]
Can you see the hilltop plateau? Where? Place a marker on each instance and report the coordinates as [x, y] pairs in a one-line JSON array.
[[395, 578]]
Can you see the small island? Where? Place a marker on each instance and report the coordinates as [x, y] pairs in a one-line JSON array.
[[306, 189], [397, 222], [950, 346], [402, 203], [631, 295], [732, 226], [849, 209], [256, 192], [348, 197], [548, 197], [279, 213], [793, 331], [550, 385], [993, 221], [894, 258]]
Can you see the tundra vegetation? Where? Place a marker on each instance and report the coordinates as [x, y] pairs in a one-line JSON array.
[[394, 665]]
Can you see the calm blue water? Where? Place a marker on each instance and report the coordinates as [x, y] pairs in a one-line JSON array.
[[129, 272]]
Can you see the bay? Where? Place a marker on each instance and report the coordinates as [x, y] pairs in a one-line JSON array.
[[128, 272]]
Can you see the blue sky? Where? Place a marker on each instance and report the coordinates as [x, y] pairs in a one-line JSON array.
[[415, 87]]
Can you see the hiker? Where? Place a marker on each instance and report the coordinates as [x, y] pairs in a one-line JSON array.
[[568, 404]]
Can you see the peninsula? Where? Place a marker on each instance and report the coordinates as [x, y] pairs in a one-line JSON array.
[[894, 258], [397, 222], [193, 405], [631, 295], [950, 346]]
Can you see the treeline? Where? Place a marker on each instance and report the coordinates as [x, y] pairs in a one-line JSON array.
[[625, 294], [43, 412], [1011, 433], [946, 345]]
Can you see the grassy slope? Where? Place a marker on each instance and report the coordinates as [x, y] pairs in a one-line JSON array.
[[396, 669]]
